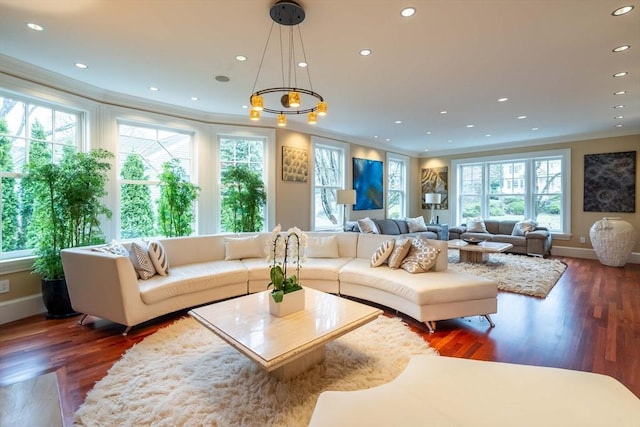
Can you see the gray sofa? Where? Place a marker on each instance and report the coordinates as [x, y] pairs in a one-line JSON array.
[[395, 227], [536, 242]]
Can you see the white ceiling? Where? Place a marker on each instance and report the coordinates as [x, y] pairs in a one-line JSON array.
[[553, 59]]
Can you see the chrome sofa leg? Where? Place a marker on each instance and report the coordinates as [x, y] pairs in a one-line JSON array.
[[431, 325], [126, 331], [84, 317], [486, 316]]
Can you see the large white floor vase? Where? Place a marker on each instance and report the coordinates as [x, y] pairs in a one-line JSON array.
[[613, 240]]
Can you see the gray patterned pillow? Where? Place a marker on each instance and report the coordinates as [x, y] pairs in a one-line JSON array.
[[139, 256], [366, 225], [416, 224], [382, 253], [421, 258], [400, 250], [158, 257], [521, 228]]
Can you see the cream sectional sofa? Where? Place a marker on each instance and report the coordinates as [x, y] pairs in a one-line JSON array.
[[204, 269]]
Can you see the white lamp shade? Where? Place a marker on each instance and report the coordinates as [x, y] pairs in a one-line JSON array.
[[433, 198], [346, 197]]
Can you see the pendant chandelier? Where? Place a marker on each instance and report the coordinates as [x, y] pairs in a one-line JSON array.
[[293, 99]]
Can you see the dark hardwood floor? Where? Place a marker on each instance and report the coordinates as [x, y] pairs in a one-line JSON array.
[[590, 321]]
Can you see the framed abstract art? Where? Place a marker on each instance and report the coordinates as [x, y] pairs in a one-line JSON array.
[[367, 181]]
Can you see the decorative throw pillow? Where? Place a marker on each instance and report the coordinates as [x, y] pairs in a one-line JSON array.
[[158, 257], [243, 247], [476, 225], [421, 258], [382, 253], [366, 225], [322, 247], [113, 248], [521, 228], [400, 250], [416, 224], [139, 256]]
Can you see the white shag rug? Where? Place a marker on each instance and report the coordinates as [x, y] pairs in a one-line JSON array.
[[514, 273], [184, 375]]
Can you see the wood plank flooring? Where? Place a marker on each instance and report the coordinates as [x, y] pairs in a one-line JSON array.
[[590, 321]]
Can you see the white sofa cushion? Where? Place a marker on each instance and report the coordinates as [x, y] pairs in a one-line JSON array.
[[236, 248], [322, 247]]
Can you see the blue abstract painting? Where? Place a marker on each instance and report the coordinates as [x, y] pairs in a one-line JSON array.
[[367, 181]]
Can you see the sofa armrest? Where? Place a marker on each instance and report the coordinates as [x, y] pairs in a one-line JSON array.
[[458, 229], [538, 233], [101, 284]]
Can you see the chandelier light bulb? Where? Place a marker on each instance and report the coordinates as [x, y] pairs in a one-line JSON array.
[[282, 120], [322, 108], [254, 115], [312, 118], [294, 99], [257, 103]]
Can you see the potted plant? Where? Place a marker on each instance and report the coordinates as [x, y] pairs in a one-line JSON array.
[[243, 198], [68, 205], [286, 247], [177, 196]]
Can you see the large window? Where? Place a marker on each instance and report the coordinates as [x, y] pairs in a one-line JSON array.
[[241, 151], [142, 150], [329, 177], [533, 185], [36, 133], [396, 187]]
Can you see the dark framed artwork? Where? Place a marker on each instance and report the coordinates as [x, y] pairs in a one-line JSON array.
[[434, 180], [295, 164], [610, 182], [367, 181]]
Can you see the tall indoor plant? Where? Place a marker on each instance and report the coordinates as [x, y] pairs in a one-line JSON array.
[[68, 206], [243, 198], [177, 197]]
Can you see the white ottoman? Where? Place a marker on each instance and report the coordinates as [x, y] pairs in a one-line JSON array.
[[444, 391]]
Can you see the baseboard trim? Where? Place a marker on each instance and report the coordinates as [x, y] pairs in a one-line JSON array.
[[20, 308], [587, 253]]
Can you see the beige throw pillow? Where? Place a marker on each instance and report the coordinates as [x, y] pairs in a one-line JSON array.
[[421, 258], [243, 247], [139, 256], [322, 247], [158, 257], [383, 253], [416, 224], [476, 225], [366, 225], [521, 228], [114, 248], [400, 250]]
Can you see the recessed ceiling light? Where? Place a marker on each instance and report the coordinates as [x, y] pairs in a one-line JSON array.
[[619, 117], [245, 106], [622, 10], [488, 134], [408, 11], [241, 57], [621, 74], [620, 92], [470, 126], [426, 149], [398, 122], [153, 88], [443, 112], [618, 126], [81, 65], [388, 139], [429, 132], [534, 129], [222, 79], [302, 64], [618, 106], [522, 117], [194, 98], [503, 99], [450, 140], [35, 27], [365, 52], [375, 136], [621, 48]]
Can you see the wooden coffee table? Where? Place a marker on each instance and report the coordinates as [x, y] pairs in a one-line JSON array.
[[284, 346], [479, 252]]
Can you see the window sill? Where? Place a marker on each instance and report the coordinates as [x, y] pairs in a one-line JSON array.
[[16, 265]]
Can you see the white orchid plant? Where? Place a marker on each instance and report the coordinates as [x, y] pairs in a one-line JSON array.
[[285, 249]]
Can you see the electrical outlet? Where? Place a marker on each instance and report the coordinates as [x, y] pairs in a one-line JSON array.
[[583, 239], [4, 286]]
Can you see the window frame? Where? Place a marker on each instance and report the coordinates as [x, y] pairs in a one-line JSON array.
[[564, 155], [343, 148], [404, 205]]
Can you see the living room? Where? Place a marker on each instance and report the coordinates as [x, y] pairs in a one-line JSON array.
[[292, 203]]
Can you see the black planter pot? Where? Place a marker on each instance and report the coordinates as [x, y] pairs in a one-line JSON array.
[[56, 299]]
